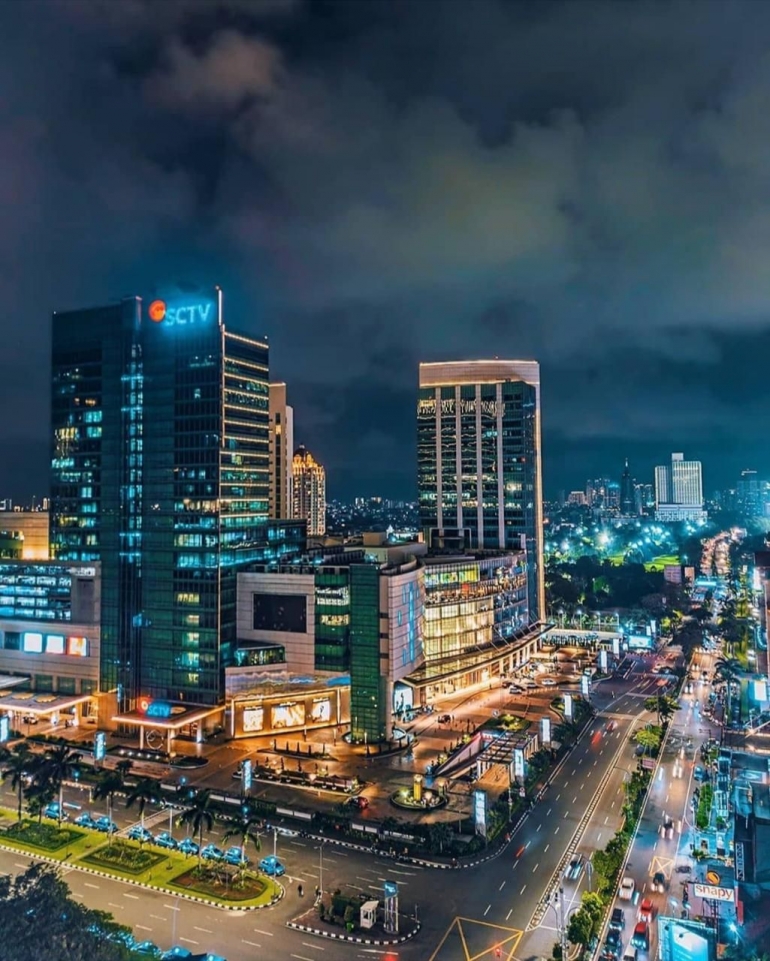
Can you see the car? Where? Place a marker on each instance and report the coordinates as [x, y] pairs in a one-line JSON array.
[[627, 888], [530, 686], [52, 811], [177, 952], [548, 682], [147, 949], [212, 853], [359, 801], [235, 855], [630, 953], [272, 866], [445, 718], [165, 840], [515, 689], [85, 820], [187, 846], [700, 774], [641, 936], [617, 919], [574, 868], [646, 910], [612, 944], [138, 833], [105, 825], [31, 719]]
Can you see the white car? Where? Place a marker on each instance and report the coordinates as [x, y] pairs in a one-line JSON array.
[[548, 682], [627, 887]]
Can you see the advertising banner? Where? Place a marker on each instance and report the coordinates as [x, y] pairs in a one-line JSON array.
[[713, 893], [568, 705], [603, 660], [5, 729], [253, 719], [740, 862], [289, 714], [320, 710], [616, 646], [480, 812], [519, 764], [247, 774], [545, 730], [100, 746]]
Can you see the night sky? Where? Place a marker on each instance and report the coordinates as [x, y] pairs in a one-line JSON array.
[[379, 183]]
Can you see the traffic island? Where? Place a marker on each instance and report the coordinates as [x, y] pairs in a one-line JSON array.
[[125, 857], [246, 890], [356, 920]]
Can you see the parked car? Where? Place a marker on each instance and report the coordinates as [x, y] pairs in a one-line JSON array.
[[627, 888], [138, 833], [575, 868], [272, 866], [700, 774], [236, 856], [30, 719], [177, 953], [105, 825], [548, 682], [147, 949], [52, 811], [515, 689], [85, 820], [187, 846], [617, 919], [212, 853], [646, 910], [530, 686], [165, 840], [359, 801], [641, 936], [445, 718]]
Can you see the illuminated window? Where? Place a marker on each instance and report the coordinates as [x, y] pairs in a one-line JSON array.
[[32, 643], [54, 644]]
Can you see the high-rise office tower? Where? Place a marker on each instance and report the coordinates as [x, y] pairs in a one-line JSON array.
[[281, 453], [160, 470], [627, 497], [479, 459], [309, 491], [679, 490]]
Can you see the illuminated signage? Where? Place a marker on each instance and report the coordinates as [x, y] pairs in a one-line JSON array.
[[247, 771], [253, 719], [545, 730], [760, 690], [603, 660], [321, 710], [100, 746], [5, 728], [32, 643], [492, 408], [585, 685], [77, 646], [480, 812], [616, 646], [182, 316], [54, 644], [519, 764], [713, 893], [740, 861], [568, 706]]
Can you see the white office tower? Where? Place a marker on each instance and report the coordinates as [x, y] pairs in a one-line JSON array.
[[679, 490]]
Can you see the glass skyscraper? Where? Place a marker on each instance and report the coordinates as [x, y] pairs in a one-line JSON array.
[[160, 470], [479, 459]]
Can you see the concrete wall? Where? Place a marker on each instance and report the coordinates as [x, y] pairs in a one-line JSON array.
[[56, 665], [300, 647]]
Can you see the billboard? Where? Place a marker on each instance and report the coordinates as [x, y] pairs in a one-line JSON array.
[[100, 746], [289, 714], [568, 705], [603, 660], [545, 730], [280, 612], [519, 764], [480, 812], [711, 892], [616, 646], [585, 686], [640, 641], [253, 719], [5, 728], [760, 690], [247, 773]]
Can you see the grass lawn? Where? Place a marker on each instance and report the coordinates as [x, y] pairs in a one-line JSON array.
[[508, 722], [252, 891], [45, 838], [657, 564], [126, 857]]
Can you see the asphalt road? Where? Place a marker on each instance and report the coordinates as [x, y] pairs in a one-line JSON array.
[[465, 913]]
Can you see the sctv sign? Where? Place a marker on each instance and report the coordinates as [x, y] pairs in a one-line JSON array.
[[184, 315]]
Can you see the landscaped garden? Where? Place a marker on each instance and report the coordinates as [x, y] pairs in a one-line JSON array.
[[507, 722], [43, 835], [224, 885], [126, 857]]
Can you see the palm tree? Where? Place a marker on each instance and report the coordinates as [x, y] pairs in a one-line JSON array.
[[663, 705], [144, 792], [39, 795], [108, 785], [199, 815], [18, 766], [59, 763], [729, 670], [244, 830], [124, 766]]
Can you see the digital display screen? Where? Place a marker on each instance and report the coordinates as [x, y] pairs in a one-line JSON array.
[[5, 728], [289, 715], [321, 710], [77, 646], [54, 644], [253, 719], [32, 643], [280, 612]]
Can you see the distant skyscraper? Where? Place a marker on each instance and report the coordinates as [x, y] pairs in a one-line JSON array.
[[751, 494], [679, 490], [479, 459], [627, 496], [160, 470], [309, 479], [281, 453]]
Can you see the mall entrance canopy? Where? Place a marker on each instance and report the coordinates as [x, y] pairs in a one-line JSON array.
[[157, 726], [43, 706]]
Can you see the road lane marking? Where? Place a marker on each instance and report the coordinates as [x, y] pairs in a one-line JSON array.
[[307, 944], [188, 941], [599, 837], [536, 867], [89, 885], [574, 799], [255, 945], [523, 890], [544, 850], [501, 886], [487, 911], [557, 829], [509, 914], [301, 957], [565, 815], [558, 796], [606, 819], [142, 927], [17, 865], [548, 811], [538, 827], [113, 905], [515, 864], [268, 933], [158, 917], [134, 897], [172, 907], [205, 930]]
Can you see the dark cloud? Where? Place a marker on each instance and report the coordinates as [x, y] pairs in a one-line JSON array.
[[383, 182]]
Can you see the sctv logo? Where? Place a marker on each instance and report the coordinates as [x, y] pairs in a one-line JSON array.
[[180, 316]]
